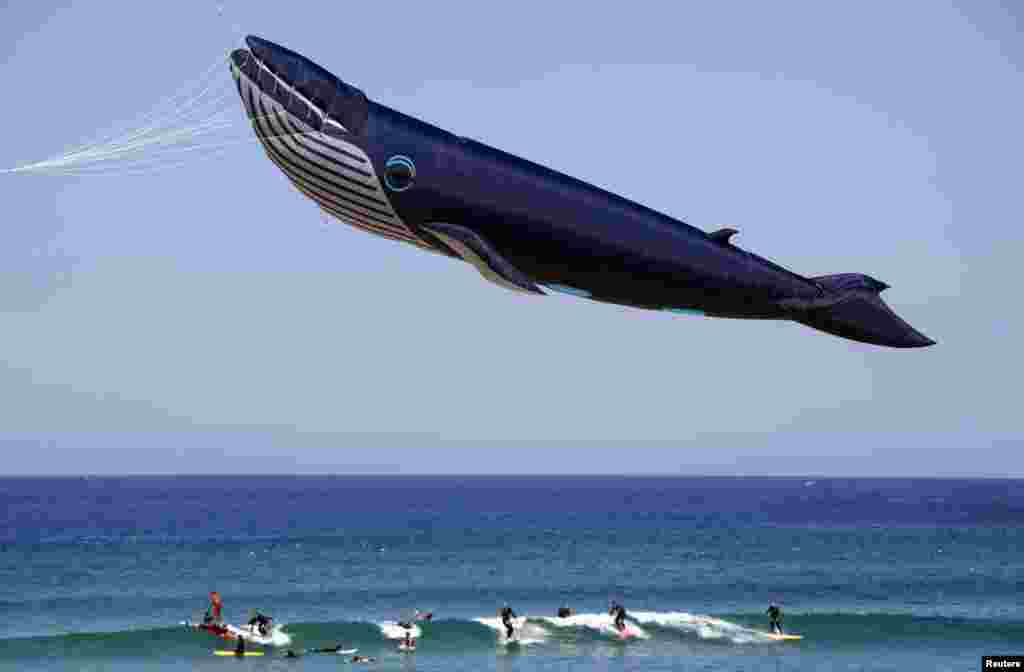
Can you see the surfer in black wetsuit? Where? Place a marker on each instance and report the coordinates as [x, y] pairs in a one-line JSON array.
[[774, 619], [506, 619], [564, 612], [261, 622], [619, 613], [240, 647], [416, 616], [331, 649]]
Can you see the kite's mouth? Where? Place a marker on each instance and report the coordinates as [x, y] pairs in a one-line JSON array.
[[307, 91], [312, 125]]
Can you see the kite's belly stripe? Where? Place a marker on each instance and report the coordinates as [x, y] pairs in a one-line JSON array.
[[336, 174]]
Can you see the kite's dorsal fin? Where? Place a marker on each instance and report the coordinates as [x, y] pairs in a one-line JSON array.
[[722, 236], [472, 247]]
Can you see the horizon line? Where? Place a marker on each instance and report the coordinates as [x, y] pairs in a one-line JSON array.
[[383, 474]]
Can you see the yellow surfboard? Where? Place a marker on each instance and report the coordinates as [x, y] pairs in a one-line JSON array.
[[782, 638], [221, 652]]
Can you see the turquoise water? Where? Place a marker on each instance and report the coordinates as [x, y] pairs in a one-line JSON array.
[[876, 574]]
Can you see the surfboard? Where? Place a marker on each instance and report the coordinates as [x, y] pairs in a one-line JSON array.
[[233, 632], [340, 652], [628, 632], [221, 652], [782, 638]]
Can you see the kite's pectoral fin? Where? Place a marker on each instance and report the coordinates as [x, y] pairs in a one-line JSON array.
[[476, 250]]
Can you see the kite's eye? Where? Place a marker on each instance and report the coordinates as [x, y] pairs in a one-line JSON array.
[[399, 173]]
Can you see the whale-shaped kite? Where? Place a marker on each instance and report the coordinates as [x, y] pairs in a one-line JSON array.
[[524, 226]]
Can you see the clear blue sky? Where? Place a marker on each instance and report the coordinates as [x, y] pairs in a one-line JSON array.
[[204, 320]]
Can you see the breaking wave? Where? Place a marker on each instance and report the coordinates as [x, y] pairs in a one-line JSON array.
[[450, 635]]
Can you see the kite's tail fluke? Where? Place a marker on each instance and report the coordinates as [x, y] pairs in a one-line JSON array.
[[860, 314]]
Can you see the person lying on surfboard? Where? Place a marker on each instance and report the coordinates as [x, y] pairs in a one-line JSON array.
[[259, 622], [774, 619], [417, 615], [331, 649]]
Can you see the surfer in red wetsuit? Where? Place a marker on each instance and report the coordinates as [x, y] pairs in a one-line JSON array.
[[213, 616]]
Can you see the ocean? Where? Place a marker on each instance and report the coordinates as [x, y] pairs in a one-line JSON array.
[[876, 574]]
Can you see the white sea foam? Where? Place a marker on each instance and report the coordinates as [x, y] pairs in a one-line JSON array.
[[704, 627], [525, 632], [393, 630], [602, 623], [277, 637]]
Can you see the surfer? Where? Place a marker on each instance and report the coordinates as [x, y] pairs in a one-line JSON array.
[[417, 615], [564, 612], [774, 619], [619, 613], [330, 649], [363, 659], [240, 647], [407, 622], [290, 654], [506, 619], [408, 644], [213, 613], [260, 623]]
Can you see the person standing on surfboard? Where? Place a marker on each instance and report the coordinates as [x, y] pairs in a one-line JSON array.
[[774, 619], [213, 614], [506, 619], [619, 613]]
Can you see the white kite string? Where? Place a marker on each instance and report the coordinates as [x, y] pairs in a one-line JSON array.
[[196, 110], [189, 124]]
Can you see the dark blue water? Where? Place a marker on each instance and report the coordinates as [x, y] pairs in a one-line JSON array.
[[876, 574]]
